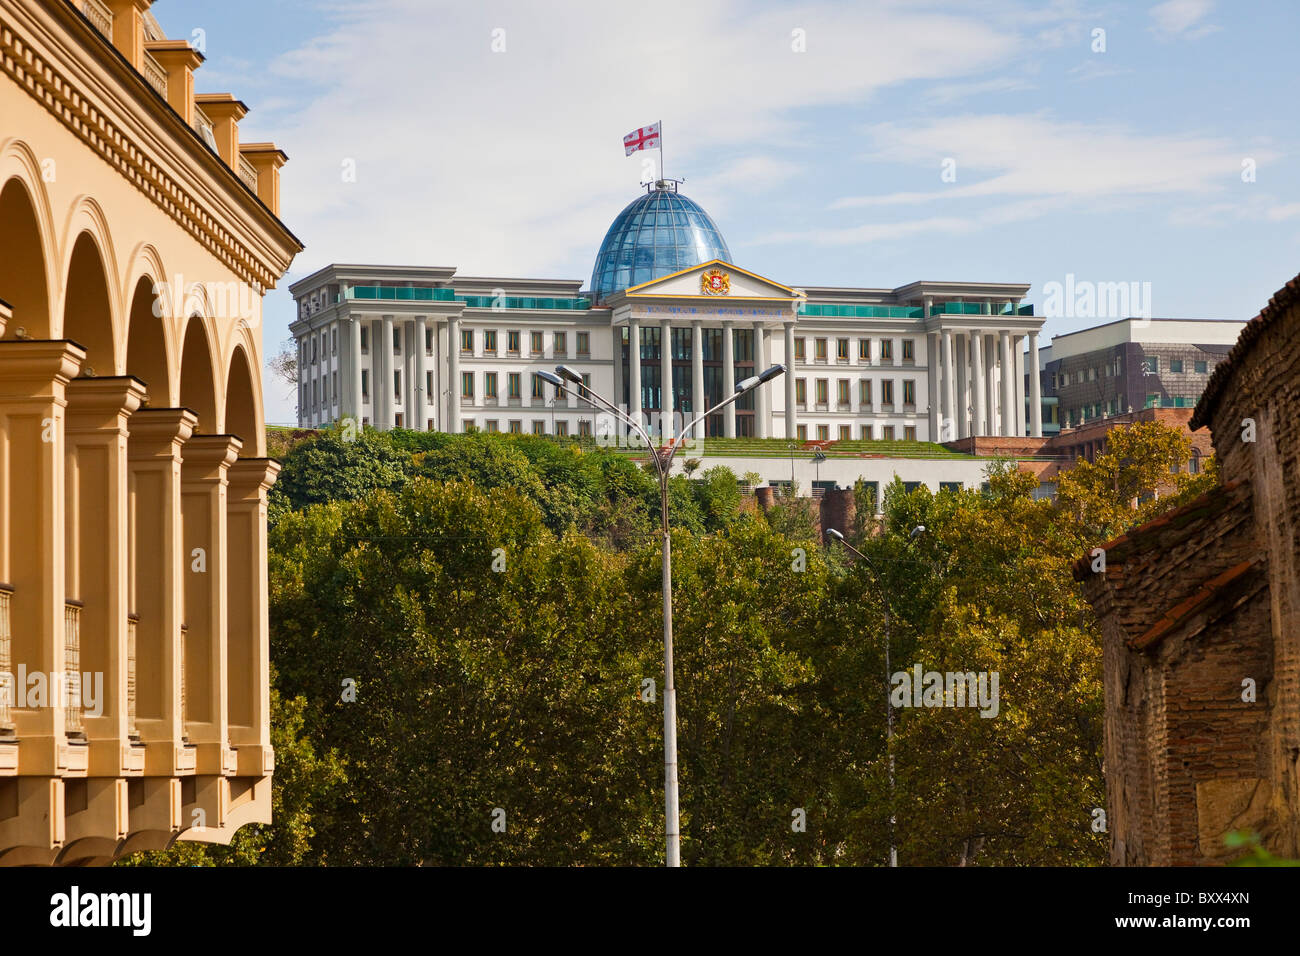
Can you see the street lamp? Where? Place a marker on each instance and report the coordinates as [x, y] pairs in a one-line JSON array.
[[663, 460], [889, 704]]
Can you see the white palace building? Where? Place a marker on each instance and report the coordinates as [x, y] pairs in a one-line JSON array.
[[423, 347]]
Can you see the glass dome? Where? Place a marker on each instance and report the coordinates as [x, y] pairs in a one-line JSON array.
[[660, 233]]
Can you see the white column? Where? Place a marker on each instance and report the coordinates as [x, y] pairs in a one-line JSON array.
[[762, 404], [791, 424], [1018, 361], [947, 430], [991, 385], [408, 383], [980, 425], [354, 370], [634, 370], [699, 401], [453, 374], [666, 428], [421, 412], [932, 373], [384, 394], [1035, 390], [617, 395], [962, 352], [1008, 384], [728, 378]]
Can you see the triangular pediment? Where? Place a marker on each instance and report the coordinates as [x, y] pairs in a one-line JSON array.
[[716, 280]]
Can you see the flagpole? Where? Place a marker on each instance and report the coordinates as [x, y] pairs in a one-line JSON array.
[[661, 149]]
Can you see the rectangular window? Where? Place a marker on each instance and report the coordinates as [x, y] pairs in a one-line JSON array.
[[864, 350], [801, 431], [397, 341], [490, 341], [513, 385], [365, 383], [909, 433], [823, 391], [334, 389], [428, 340], [512, 342], [887, 392], [539, 427], [561, 344], [489, 384], [864, 432], [886, 350], [909, 392], [516, 427], [887, 433], [539, 386], [493, 426], [801, 391], [821, 350], [397, 386], [1151, 364], [823, 432], [334, 341], [1200, 367], [466, 384], [584, 343], [909, 350], [535, 342], [841, 350], [864, 392], [842, 391], [365, 340], [846, 432], [1175, 365], [428, 388], [467, 341], [562, 429], [799, 350], [584, 428]]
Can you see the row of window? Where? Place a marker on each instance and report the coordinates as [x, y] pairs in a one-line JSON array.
[[1115, 369], [821, 346], [843, 390], [514, 340], [515, 426], [865, 432], [1151, 363], [514, 384]]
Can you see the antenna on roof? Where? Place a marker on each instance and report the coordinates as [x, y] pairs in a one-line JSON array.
[[663, 184]]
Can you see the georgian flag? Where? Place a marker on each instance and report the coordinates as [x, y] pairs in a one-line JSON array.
[[647, 137]]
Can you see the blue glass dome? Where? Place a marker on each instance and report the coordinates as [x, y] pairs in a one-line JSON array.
[[660, 233]]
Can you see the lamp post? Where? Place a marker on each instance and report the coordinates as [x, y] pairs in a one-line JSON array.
[[663, 459], [889, 704]]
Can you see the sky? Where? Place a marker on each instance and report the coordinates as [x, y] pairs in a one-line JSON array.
[[844, 144]]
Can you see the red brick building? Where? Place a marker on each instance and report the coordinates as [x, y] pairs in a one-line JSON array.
[[1199, 613]]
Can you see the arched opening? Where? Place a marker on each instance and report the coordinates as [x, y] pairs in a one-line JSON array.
[[22, 263], [198, 392], [146, 345], [87, 316], [241, 402]]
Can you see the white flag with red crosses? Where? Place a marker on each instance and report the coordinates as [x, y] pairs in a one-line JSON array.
[[647, 137]]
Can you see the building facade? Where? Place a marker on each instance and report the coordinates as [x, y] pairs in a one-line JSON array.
[[137, 236], [666, 327], [1128, 365]]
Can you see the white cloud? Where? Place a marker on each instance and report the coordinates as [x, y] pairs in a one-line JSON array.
[[1182, 19]]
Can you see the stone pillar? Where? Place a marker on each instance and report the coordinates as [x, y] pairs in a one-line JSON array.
[[762, 397], [354, 404], [699, 401], [1018, 362], [961, 352], [932, 375], [617, 366], [635, 409], [947, 427], [97, 560], [667, 429], [991, 390], [791, 413], [453, 374], [980, 425], [160, 567], [1035, 390], [728, 378], [204, 494], [248, 645], [1008, 419], [420, 414], [384, 387]]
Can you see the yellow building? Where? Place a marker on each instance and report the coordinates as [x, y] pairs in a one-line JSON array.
[[137, 237]]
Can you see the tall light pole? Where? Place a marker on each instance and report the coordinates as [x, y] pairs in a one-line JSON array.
[[663, 459], [889, 704]]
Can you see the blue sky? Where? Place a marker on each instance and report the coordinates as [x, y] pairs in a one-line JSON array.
[[488, 136]]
